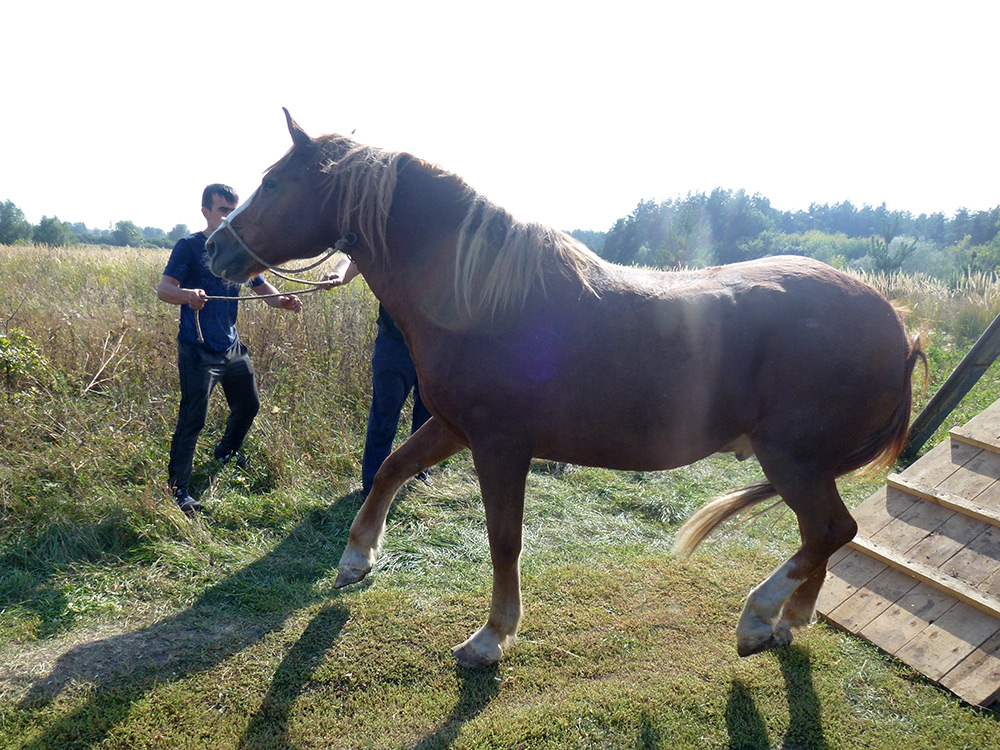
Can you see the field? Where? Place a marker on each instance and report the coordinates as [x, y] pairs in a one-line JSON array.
[[125, 625]]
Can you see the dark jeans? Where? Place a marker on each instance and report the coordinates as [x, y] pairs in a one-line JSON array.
[[200, 371], [393, 377]]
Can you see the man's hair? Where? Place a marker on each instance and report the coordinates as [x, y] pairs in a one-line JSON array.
[[223, 191]]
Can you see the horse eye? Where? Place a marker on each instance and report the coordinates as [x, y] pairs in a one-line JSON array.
[[270, 184]]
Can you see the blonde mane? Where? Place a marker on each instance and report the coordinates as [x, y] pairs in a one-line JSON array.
[[498, 259]]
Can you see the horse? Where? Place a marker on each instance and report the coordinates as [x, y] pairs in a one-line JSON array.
[[528, 345]]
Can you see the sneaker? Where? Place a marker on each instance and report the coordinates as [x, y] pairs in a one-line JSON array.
[[235, 456], [189, 505]]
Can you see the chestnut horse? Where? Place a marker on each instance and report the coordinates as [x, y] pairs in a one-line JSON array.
[[528, 345]]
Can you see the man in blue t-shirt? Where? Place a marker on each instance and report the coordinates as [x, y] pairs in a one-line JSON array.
[[209, 349]]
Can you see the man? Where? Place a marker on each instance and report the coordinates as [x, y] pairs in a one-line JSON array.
[[393, 377], [209, 349]]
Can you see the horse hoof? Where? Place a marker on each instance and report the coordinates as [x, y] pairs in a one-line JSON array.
[[470, 657], [347, 576], [778, 638]]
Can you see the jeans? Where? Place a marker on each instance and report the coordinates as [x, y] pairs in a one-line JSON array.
[[393, 377], [200, 371]]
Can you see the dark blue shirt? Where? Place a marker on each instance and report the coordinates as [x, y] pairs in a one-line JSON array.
[[189, 265]]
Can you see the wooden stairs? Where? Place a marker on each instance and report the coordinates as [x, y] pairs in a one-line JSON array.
[[922, 578]]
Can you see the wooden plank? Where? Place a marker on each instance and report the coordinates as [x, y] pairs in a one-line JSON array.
[[975, 562], [914, 525], [941, 462], [982, 439], [881, 508], [846, 577], [976, 679], [945, 541], [948, 640], [876, 597], [909, 616], [945, 499], [974, 476], [986, 420], [931, 576]]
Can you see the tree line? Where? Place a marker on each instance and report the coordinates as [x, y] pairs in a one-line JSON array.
[[701, 229], [14, 228], [727, 226]]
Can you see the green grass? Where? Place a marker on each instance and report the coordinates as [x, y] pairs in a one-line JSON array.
[[124, 625]]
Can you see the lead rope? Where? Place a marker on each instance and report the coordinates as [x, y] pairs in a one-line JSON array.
[[338, 247]]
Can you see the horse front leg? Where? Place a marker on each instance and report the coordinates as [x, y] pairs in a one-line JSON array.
[[502, 473], [429, 445]]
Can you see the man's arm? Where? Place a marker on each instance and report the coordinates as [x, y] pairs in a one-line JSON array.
[[345, 270], [170, 290]]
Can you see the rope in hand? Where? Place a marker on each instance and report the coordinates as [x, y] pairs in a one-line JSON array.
[[340, 246], [197, 313]]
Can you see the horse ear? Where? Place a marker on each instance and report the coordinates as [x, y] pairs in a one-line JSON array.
[[299, 136]]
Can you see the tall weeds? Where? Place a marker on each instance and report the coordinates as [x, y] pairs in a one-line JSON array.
[[84, 437], [958, 311]]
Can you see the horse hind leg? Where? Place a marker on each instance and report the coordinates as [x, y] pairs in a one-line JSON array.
[[428, 446], [787, 598]]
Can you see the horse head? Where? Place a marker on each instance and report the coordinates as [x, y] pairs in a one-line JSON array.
[[282, 220]]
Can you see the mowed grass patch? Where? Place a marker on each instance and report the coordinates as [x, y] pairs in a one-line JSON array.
[[635, 650]]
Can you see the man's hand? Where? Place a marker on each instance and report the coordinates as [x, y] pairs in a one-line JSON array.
[[290, 302], [332, 279], [196, 298]]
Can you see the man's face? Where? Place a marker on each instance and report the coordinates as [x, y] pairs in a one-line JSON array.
[[221, 208]]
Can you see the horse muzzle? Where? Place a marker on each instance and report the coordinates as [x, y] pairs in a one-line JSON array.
[[226, 258]]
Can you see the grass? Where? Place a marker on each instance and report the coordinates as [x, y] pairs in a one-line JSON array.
[[123, 625]]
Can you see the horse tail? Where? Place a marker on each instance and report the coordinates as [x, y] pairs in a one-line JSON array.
[[711, 515], [881, 449], [878, 452]]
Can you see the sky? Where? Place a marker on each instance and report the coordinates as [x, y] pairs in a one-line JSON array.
[[567, 113]]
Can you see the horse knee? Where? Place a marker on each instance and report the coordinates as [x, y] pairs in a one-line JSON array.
[[841, 531]]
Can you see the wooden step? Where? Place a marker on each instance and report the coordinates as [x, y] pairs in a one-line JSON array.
[[945, 499], [980, 438], [926, 574]]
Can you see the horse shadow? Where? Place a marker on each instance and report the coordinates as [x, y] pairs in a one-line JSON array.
[[223, 621], [747, 728]]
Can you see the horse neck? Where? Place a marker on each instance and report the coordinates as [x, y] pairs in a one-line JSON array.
[[417, 279]]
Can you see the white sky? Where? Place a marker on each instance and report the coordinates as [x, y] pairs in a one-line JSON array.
[[567, 113]]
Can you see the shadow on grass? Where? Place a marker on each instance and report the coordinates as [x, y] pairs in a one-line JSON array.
[[269, 725], [747, 728], [478, 688], [223, 621]]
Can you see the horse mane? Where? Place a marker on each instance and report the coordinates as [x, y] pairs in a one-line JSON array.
[[498, 259]]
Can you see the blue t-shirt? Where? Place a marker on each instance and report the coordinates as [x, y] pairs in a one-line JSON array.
[[189, 265]]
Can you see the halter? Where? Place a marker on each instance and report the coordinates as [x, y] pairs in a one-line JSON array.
[[339, 246]]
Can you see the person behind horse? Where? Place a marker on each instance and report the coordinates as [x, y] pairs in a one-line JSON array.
[[209, 348], [393, 377]]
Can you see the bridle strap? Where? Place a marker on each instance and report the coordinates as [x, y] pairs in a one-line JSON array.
[[339, 246]]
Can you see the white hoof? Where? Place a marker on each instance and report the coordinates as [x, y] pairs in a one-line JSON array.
[[480, 650], [354, 565]]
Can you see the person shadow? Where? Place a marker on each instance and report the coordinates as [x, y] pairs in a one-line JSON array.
[[226, 619], [747, 728], [477, 688]]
